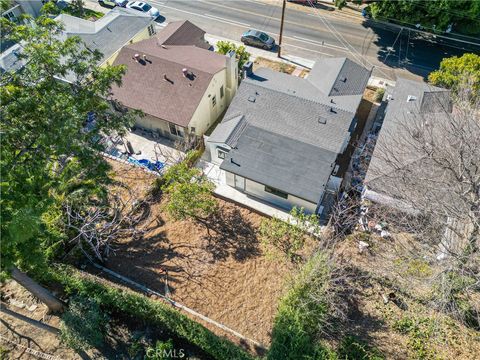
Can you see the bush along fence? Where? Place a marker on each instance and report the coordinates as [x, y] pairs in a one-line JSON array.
[[141, 307]]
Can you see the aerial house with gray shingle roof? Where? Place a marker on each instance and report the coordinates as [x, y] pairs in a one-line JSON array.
[[281, 137]]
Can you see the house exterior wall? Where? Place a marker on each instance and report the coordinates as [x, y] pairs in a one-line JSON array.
[[153, 123], [206, 114], [141, 35], [212, 147], [258, 190]]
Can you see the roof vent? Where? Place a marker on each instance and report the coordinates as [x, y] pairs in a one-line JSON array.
[[389, 97], [185, 72], [322, 120], [252, 99], [332, 110], [343, 79], [163, 46], [411, 98]]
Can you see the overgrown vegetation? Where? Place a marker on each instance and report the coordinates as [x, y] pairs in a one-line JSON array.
[[223, 47], [306, 312], [49, 157], [150, 311], [288, 238], [84, 324], [189, 192], [457, 72], [463, 16]]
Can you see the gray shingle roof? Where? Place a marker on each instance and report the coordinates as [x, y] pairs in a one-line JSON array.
[[291, 116], [281, 162], [295, 131], [427, 101], [339, 77], [109, 33], [229, 131]]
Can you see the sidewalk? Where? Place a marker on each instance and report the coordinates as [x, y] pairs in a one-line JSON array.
[[256, 52]]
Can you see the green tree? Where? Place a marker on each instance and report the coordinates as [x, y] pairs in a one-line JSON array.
[[189, 193], [48, 154], [455, 71], [223, 47], [433, 15], [288, 238]]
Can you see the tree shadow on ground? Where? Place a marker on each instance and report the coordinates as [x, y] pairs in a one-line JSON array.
[[232, 235], [403, 48]]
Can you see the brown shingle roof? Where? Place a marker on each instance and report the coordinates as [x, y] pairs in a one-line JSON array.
[[176, 99], [183, 33]]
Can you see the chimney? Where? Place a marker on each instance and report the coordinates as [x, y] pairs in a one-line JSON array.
[[232, 74], [165, 77]]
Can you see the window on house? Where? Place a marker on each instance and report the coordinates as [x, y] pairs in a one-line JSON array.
[[176, 130], [192, 129], [10, 16], [221, 92], [276, 192], [221, 152], [214, 100], [151, 30]]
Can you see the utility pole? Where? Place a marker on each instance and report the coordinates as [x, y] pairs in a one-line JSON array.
[[279, 54]]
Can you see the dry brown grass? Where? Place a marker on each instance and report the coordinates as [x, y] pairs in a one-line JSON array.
[[274, 65], [224, 275]]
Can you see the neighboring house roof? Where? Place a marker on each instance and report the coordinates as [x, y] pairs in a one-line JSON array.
[[183, 33], [407, 101], [229, 131], [295, 167], [293, 131], [313, 88], [109, 33], [9, 59], [158, 87]]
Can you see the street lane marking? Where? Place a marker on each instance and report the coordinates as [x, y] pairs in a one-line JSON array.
[[303, 48], [318, 43], [227, 20], [203, 16], [256, 2]]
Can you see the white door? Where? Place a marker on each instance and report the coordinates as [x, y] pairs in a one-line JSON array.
[[239, 182]]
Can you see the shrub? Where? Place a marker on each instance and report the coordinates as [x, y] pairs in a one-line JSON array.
[[83, 324], [302, 315], [379, 94], [352, 348], [150, 311], [241, 53]]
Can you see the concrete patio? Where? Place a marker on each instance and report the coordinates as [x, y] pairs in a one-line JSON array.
[[150, 146]]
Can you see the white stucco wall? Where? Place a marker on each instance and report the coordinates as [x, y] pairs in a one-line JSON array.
[[258, 190], [206, 114], [212, 147]]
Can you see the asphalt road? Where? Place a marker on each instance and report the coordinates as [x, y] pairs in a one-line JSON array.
[[313, 33]]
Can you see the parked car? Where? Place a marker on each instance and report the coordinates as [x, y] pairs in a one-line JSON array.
[[113, 3], [258, 39], [144, 7]]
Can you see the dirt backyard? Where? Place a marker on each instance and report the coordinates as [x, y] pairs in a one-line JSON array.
[[220, 273]]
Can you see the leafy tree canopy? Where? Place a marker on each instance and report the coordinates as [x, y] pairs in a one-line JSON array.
[[48, 153], [454, 71], [242, 54], [190, 193], [437, 15]]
